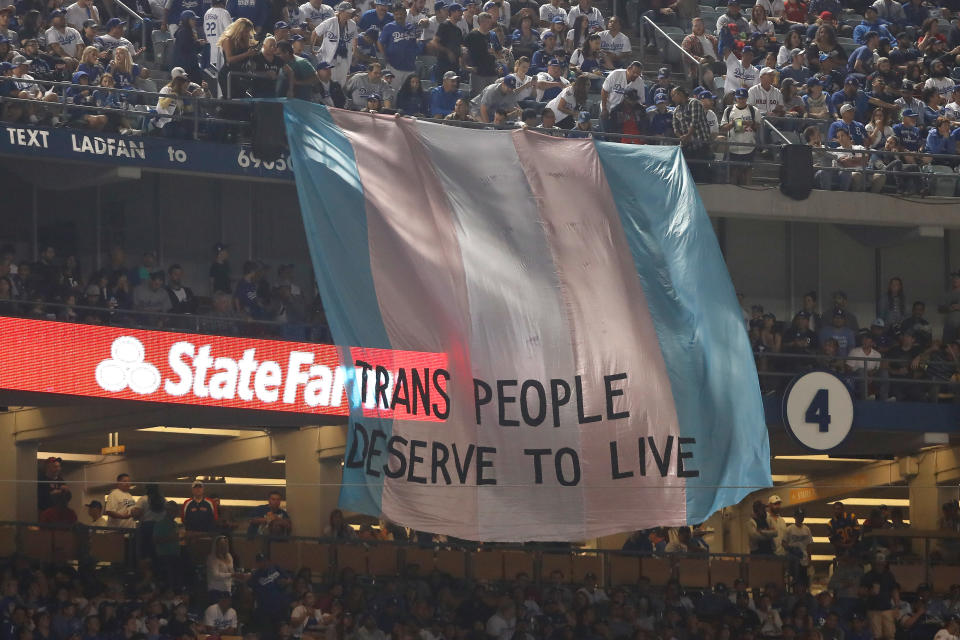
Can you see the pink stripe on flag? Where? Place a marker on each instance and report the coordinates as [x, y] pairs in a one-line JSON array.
[[612, 332]]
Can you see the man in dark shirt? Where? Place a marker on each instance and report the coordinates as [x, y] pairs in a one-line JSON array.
[[199, 513], [268, 583], [918, 325], [49, 483], [220, 270], [267, 65], [900, 363], [880, 583], [447, 43], [481, 56]]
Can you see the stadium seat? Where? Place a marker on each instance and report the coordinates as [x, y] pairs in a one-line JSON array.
[[945, 184]]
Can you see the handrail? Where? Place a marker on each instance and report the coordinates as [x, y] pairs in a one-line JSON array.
[[769, 124], [136, 16], [677, 45]]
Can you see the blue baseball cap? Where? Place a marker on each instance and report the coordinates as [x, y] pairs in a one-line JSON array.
[[510, 81], [740, 93], [909, 113], [697, 90], [5, 66], [814, 82], [117, 22], [583, 116], [487, 5], [383, 2], [295, 37], [324, 65], [456, 6], [57, 12], [77, 75], [558, 20], [373, 32], [548, 34], [747, 49], [661, 97], [187, 14], [708, 94], [553, 62], [439, 4], [852, 79], [664, 72], [280, 25], [374, 96]]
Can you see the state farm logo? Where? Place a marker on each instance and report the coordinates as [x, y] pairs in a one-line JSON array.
[[126, 368]]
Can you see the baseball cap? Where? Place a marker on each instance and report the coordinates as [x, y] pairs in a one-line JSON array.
[[730, 2], [117, 22], [583, 116], [664, 72], [57, 12], [698, 90], [839, 312], [187, 14], [487, 5], [548, 34], [799, 513], [5, 66], [374, 96], [852, 80], [510, 81], [220, 246], [556, 19], [803, 314], [766, 70], [280, 25], [89, 22], [18, 60], [455, 7], [451, 75], [878, 322], [909, 113], [774, 499], [826, 15], [660, 98], [344, 6], [747, 49], [740, 93], [197, 483], [847, 107], [796, 52], [553, 62], [814, 82], [94, 503], [295, 37], [439, 4], [178, 72], [324, 65], [79, 74], [708, 95], [388, 74]]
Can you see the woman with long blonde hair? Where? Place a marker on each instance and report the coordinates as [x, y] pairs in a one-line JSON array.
[[90, 64], [124, 71], [238, 46]]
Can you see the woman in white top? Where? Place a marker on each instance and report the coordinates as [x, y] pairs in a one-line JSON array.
[[759, 22], [791, 41], [567, 104], [877, 130], [220, 573], [526, 85]]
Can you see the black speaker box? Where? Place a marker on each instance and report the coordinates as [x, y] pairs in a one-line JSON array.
[[269, 132], [796, 171]]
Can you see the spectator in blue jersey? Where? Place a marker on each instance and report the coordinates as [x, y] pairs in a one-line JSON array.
[[271, 600], [854, 128], [198, 514], [186, 46], [258, 12], [245, 295], [378, 17], [660, 117], [547, 51], [839, 332], [171, 16], [796, 69], [872, 22], [844, 529], [270, 519], [398, 44], [443, 98], [367, 51], [860, 61], [940, 141]]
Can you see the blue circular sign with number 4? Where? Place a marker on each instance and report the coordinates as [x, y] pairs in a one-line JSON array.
[[818, 411]]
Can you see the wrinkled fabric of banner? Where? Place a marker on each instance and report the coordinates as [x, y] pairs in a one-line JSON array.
[[600, 378]]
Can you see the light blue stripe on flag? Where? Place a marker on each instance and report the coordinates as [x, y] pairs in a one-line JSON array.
[[334, 218], [698, 320]]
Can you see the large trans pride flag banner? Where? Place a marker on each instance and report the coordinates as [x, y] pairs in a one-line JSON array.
[[591, 372]]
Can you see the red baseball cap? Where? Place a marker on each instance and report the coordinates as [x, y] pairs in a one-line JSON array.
[[826, 15]]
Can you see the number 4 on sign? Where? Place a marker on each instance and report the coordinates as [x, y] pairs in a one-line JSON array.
[[819, 410]]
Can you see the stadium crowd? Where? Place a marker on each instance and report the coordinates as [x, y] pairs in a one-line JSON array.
[[872, 87], [169, 590], [895, 357], [150, 295]]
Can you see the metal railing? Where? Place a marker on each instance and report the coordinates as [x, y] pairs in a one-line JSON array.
[[671, 42], [136, 16]]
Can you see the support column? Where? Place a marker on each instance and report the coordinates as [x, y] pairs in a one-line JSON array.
[[18, 473], [924, 495], [313, 474]]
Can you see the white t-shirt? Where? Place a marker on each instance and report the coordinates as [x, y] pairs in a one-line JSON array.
[[315, 15], [616, 85], [774, 8], [500, 628], [569, 99], [944, 86], [120, 502], [708, 50], [548, 12], [430, 30], [77, 15], [857, 365], [764, 100], [952, 110], [543, 76], [216, 618], [798, 537], [69, 40], [780, 526], [594, 16], [738, 75], [744, 136], [527, 93], [617, 44]]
